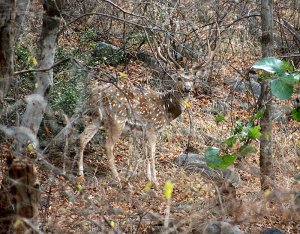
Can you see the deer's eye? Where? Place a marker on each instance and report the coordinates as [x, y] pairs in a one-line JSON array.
[[180, 79]]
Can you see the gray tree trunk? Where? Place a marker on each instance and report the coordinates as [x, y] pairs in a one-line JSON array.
[[22, 10], [7, 39], [37, 102], [266, 150]]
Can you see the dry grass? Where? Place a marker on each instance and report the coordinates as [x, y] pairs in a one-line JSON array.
[[132, 209]]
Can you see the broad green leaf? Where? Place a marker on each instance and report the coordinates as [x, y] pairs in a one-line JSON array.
[[270, 64], [214, 160], [212, 156], [287, 78], [296, 114], [219, 118], [247, 149], [228, 160], [230, 141], [281, 89], [168, 189], [254, 132]]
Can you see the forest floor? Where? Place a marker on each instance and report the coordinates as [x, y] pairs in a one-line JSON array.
[[95, 201]]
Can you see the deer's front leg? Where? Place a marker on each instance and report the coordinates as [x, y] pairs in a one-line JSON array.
[[151, 140], [88, 133]]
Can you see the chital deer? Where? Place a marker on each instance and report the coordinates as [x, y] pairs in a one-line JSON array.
[[132, 109]]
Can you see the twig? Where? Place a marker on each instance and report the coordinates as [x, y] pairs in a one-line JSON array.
[[43, 69], [121, 9], [117, 18]]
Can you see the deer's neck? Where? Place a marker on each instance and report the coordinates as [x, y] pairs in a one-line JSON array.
[[174, 104]]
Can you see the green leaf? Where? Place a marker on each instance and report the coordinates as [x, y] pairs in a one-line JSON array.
[[281, 88], [228, 160], [271, 65], [212, 156], [287, 78], [247, 149], [296, 114], [214, 160], [219, 118], [254, 132], [230, 141], [168, 189]]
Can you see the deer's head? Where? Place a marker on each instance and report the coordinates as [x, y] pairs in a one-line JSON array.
[[185, 78], [184, 81]]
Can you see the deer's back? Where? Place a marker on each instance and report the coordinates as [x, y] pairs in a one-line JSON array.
[[135, 106]]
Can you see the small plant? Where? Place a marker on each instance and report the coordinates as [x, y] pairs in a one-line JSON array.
[[284, 81], [238, 144], [68, 92], [25, 60]]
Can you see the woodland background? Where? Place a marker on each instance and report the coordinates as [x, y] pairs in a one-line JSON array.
[[53, 52]]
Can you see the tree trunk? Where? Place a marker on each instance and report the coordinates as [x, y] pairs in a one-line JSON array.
[[37, 102], [19, 194], [22, 10], [7, 38], [266, 151], [19, 197]]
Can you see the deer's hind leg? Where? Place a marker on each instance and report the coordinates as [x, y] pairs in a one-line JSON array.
[[85, 137], [137, 155], [114, 130]]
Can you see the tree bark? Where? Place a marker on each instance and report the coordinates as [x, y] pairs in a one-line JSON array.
[[266, 150], [7, 39], [21, 12], [19, 193], [37, 102], [19, 197]]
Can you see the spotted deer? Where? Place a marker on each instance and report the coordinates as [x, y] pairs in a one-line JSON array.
[[126, 108]]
